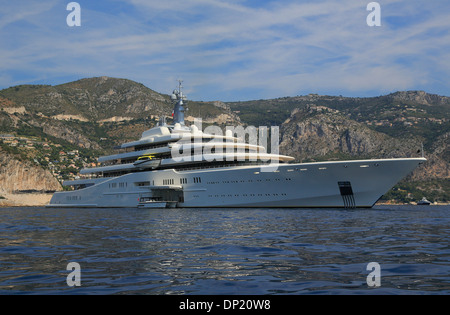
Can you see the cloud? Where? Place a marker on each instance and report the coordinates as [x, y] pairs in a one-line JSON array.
[[232, 50]]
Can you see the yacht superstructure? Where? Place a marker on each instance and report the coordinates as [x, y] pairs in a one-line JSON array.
[[181, 166]]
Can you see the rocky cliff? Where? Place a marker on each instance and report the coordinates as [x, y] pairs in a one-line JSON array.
[[22, 183], [438, 161], [318, 133], [20, 176]]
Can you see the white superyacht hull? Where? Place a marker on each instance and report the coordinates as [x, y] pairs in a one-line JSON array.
[[344, 184]]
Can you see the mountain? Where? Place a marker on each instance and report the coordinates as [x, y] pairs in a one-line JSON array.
[[318, 133], [94, 113], [62, 128], [93, 99], [416, 112]]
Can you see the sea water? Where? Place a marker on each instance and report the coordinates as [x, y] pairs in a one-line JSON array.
[[225, 251]]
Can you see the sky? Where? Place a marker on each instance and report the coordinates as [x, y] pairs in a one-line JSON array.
[[231, 50]]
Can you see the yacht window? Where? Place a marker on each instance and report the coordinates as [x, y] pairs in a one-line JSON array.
[[142, 183]]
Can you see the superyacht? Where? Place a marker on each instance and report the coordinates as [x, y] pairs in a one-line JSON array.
[[175, 165]]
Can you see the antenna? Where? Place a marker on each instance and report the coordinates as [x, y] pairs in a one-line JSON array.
[[179, 104]]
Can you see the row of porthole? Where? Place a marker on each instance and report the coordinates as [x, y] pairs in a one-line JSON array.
[[324, 167], [198, 179], [277, 179], [364, 165], [245, 195], [248, 181]]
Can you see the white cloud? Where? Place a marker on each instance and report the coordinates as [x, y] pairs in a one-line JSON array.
[[276, 49]]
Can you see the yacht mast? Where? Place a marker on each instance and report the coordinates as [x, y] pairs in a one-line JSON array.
[[179, 105]]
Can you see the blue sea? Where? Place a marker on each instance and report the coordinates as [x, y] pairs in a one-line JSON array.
[[225, 251]]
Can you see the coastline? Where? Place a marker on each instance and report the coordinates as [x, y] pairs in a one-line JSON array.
[[25, 200], [387, 203], [42, 199]]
